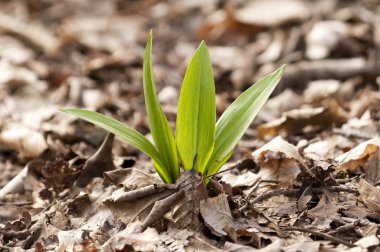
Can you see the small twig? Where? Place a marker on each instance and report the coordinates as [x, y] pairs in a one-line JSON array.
[[322, 235]]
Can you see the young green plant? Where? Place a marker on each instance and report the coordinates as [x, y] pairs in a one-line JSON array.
[[200, 143]]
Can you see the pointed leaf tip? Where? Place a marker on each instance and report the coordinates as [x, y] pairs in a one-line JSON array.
[[238, 116], [196, 112]]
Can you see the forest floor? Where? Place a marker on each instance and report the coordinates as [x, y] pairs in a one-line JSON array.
[[304, 177]]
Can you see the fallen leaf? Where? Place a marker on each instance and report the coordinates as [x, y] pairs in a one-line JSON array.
[[128, 240], [327, 148], [217, 214], [324, 36], [278, 160], [319, 89], [370, 195], [98, 163], [364, 127], [367, 242], [18, 183], [29, 143], [246, 179], [364, 156], [304, 246], [262, 13], [277, 105], [131, 178], [324, 213], [294, 121]]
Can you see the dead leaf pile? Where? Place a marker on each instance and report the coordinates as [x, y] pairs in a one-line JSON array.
[[305, 177]]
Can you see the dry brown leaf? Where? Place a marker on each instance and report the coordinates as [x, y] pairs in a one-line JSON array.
[[175, 239], [294, 121], [184, 213], [27, 142], [367, 242], [364, 127], [324, 213], [370, 195], [327, 148], [107, 33], [364, 156], [355, 156], [275, 106], [217, 214], [24, 179], [128, 239], [33, 33], [275, 246], [130, 179], [98, 163], [278, 145], [320, 89], [323, 37], [262, 13], [242, 180], [278, 160], [304, 246]]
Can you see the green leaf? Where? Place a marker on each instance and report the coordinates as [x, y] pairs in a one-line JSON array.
[[238, 116], [162, 134], [195, 128], [123, 131]]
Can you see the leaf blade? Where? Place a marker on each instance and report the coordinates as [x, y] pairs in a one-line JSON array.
[[131, 136], [162, 134], [239, 115], [195, 127]]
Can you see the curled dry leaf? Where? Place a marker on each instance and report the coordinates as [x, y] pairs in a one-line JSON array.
[[27, 142], [278, 145], [130, 179], [175, 239], [98, 163], [184, 213], [324, 213], [370, 195], [279, 160], [242, 180], [217, 214], [320, 89], [294, 121], [35, 34], [107, 33], [59, 175], [327, 148], [262, 13], [275, 106], [17, 184], [363, 127], [178, 203], [367, 242], [364, 156], [323, 37], [129, 240]]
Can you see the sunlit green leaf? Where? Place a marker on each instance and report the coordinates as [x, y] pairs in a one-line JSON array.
[[121, 130], [159, 126], [196, 111], [238, 116]]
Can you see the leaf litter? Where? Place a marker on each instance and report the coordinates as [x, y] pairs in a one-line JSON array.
[[304, 178]]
